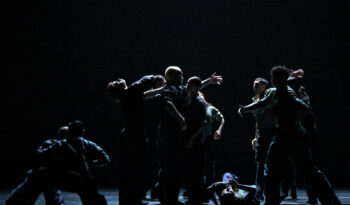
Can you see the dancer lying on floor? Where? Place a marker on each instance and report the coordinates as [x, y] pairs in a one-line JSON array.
[[230, 192]]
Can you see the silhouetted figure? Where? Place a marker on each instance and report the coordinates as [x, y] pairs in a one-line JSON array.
[[309, 123], [152, 139], [172, 142], [69, 165], [214, 123], [52, 196], [291, 140], [230, 192], [194, 156], [132, 145], [265, 130]]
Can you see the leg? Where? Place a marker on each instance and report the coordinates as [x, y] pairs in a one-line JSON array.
[[276, 156], [303, 157], [27, 191], [316, 178]]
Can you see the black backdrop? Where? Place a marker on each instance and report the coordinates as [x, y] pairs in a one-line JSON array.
[[59, 55]]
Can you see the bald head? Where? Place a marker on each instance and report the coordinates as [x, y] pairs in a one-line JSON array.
[[173, 75], [62, 133]]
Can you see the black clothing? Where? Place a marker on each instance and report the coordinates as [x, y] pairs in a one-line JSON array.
[[74, 154], [152, 140], [171, 143], [132, 145], [52, 196], [263, 140], [68, 167], [195, 113], [291, 140]]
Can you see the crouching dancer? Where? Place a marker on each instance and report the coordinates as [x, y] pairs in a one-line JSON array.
[[69, 163]]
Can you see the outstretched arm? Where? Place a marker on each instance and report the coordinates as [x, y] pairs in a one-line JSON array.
[[268, 100], [151, 93], [214, 79]]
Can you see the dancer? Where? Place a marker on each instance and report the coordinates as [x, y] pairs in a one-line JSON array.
[[52, 196], [290, 140], [69, 165], [212, 133], [265, 130], [132, 145], [172, 146], [230, 192], [195, 119]]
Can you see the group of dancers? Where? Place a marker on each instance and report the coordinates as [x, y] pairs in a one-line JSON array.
[[168, 142]]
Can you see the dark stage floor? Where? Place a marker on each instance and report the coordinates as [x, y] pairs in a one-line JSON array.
[[112, 197]]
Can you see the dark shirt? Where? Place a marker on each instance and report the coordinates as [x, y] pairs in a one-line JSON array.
[[133, 104], [195, 113], [74, 154], [286, 106], [178, 96], [264, 118]]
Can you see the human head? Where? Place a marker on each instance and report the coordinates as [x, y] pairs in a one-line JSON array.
[[159, 81], [115, 89], [173, 75], [279, 76], [62, 133], [227, 196], [193, 85], [259, 85], [76, 129]]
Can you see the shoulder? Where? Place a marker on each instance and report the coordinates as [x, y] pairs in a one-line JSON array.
[[200, 102], [270, 90]]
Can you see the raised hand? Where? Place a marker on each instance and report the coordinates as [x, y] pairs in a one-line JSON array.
[[215, 79]]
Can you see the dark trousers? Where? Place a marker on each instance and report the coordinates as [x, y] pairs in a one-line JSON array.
[[44, 179], [23, 193], [289, 178], [294, 143], [172, 163], [194, 174], [152, 164], [132, 167], [209, 151], [262, 145]]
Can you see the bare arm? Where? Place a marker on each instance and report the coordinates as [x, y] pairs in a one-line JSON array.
[[217, 134], [173, 111], [214, 79], [151, 93], [267, 101]]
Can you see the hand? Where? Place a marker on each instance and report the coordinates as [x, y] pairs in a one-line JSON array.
[[215, 79], [217, 135], [297, 73], [233, 182], [254, 143], [241, 111]]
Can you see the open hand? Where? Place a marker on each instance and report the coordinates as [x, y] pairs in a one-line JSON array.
[[215, 79]]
